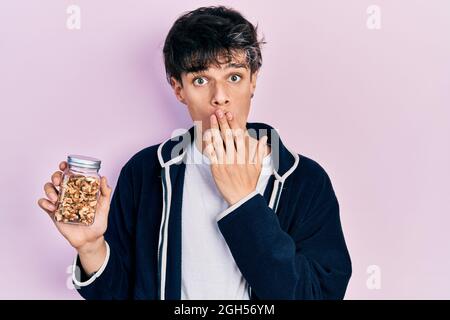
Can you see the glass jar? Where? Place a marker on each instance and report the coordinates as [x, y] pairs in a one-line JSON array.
[[79, 191]]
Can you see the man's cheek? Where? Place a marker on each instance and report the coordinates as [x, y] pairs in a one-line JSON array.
[[240, 120]]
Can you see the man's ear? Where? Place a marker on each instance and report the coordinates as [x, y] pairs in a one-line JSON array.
[[254, 77], [178, 89]]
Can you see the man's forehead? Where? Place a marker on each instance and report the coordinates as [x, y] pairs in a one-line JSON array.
[[236, 60]]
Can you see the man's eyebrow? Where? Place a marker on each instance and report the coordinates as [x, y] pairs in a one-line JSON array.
[[236, 65]]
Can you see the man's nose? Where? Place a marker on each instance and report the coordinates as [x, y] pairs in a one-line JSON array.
[[220, 97]]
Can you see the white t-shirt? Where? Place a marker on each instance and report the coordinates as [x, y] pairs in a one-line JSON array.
[[209, 271]]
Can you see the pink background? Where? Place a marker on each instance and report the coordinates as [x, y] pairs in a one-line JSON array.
[[371, 106]]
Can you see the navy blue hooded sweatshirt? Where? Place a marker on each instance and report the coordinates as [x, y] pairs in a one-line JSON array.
[[287, 243]]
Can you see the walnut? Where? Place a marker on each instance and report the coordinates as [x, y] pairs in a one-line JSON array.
[[78, 199]]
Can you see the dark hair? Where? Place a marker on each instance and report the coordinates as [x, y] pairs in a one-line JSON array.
[[204, 36]]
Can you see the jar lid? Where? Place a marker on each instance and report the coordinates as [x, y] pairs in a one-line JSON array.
[[83, 161]]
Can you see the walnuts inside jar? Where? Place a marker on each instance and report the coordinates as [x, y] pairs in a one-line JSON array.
[[78, 200]]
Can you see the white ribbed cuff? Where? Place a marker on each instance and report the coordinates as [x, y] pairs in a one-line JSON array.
[[95, 276], [237, 205]]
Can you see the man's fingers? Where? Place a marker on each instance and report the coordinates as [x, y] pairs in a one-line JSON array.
[[238, 137], [226, 134], [56, 178], [51, 192], [223, 121], [63, 165], [232, 121], [209, 148], [211, 154], [241, 149], [217, 139], [47, 206], [104, 198], [105, 191], [262, 146], [252, 150]]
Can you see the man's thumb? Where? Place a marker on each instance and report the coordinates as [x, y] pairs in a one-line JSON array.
[[105, 189]]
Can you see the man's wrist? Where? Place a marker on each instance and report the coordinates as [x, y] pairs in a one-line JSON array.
[[234, 200], [92, 255], [90, 266], [91, 247]]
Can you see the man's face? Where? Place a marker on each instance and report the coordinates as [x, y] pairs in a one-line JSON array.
[[229, 88]]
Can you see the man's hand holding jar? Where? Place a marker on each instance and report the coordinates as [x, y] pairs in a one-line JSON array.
[[78, 202]]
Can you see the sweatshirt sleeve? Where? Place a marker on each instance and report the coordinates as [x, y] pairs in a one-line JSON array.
[[310, 261], [113, 280]]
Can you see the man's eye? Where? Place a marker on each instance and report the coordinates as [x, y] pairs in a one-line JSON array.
[[199, 81], [235, 78]]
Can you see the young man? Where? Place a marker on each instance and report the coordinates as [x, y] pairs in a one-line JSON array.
[[222, 211]]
